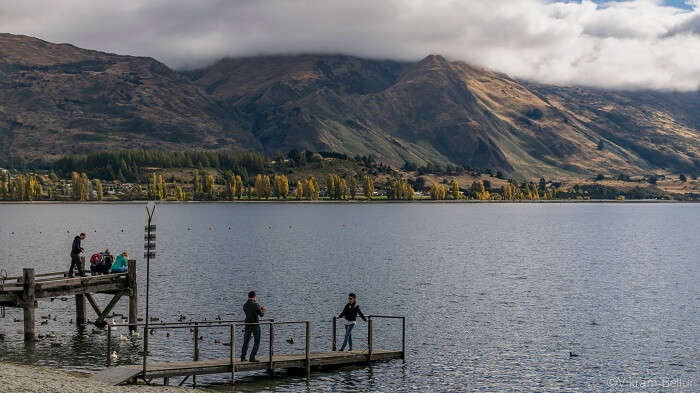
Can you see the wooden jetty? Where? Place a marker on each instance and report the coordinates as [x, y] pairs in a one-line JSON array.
[[305, 361], [25, 291]]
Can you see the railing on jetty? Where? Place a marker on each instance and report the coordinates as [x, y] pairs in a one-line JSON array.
[[231, 365], [27, 289]]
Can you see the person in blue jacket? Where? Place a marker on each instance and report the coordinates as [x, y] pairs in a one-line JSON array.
[[121, 264]]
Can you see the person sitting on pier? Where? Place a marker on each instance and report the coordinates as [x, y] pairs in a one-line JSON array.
[[96, 264], [107, 261], [121, 265], [253, 312], [350, 313], [75, 251]]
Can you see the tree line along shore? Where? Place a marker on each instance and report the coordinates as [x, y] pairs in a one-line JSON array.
[[232, 176]]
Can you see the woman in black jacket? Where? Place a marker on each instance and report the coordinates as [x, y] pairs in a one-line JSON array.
[[350, 312]]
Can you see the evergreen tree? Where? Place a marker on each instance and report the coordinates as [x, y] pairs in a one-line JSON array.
[[196, 183]]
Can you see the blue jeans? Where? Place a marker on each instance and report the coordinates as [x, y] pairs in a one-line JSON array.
[[251, 330], [348, 337]]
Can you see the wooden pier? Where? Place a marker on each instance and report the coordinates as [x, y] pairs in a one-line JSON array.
[[305, 361], [25, 292]]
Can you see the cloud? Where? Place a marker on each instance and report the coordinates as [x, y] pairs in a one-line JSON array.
[[630, 44]]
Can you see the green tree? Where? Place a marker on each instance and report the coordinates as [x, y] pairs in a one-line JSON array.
[[196, 183], [230, 186]]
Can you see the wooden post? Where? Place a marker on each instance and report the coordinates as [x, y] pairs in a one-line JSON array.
[[308, 349], [133, 296], [196, 351], [334, 332], [272, 345], [29, 304], [80, 311], [403, 338], [233, 352], [370, 339], [109, 345]]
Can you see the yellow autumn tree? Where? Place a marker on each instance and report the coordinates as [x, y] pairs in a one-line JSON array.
[[368, 187], [299, 191]]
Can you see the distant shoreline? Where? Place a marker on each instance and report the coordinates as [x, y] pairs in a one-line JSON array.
[[355, 201]]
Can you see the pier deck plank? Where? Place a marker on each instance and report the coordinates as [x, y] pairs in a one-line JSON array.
[[118, 375]]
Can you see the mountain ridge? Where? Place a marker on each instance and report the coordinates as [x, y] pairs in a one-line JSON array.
[[59, 99]]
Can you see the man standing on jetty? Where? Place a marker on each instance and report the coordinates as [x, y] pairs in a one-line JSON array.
[[75, 251], [253, 312]]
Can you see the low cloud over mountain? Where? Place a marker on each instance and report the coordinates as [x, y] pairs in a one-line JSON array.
[[630, 45]]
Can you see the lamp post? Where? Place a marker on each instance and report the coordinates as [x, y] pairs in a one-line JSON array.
[[149, 253]]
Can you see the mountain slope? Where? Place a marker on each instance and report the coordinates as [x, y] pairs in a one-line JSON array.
[[58, 99], [441, 111]]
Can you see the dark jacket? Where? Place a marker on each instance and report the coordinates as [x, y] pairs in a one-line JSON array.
[[76, 248], [253, 312], [350, 312]]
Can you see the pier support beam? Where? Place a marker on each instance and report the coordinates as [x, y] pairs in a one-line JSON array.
[[80, 308], [29, 305], [133, 296]]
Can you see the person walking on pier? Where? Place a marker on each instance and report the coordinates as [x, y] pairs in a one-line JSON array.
[[350, 312], [253, 312], [75, 251]]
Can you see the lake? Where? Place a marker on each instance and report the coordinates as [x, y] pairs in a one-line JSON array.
[[495, 295]]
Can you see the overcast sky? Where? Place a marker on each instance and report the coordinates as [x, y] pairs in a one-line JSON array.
[[627, 44]]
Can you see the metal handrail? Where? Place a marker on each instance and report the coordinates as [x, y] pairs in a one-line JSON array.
[[403, 331], [233, 324], [307, 352], [370, 333], [215, 323], [174, 325], [165, 326]]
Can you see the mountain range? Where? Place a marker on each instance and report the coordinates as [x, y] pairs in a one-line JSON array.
[[58, 99]]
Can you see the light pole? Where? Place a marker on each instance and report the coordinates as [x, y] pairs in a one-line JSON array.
[[149, 253]]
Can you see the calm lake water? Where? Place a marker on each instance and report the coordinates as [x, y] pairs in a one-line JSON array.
[[496, 295]]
